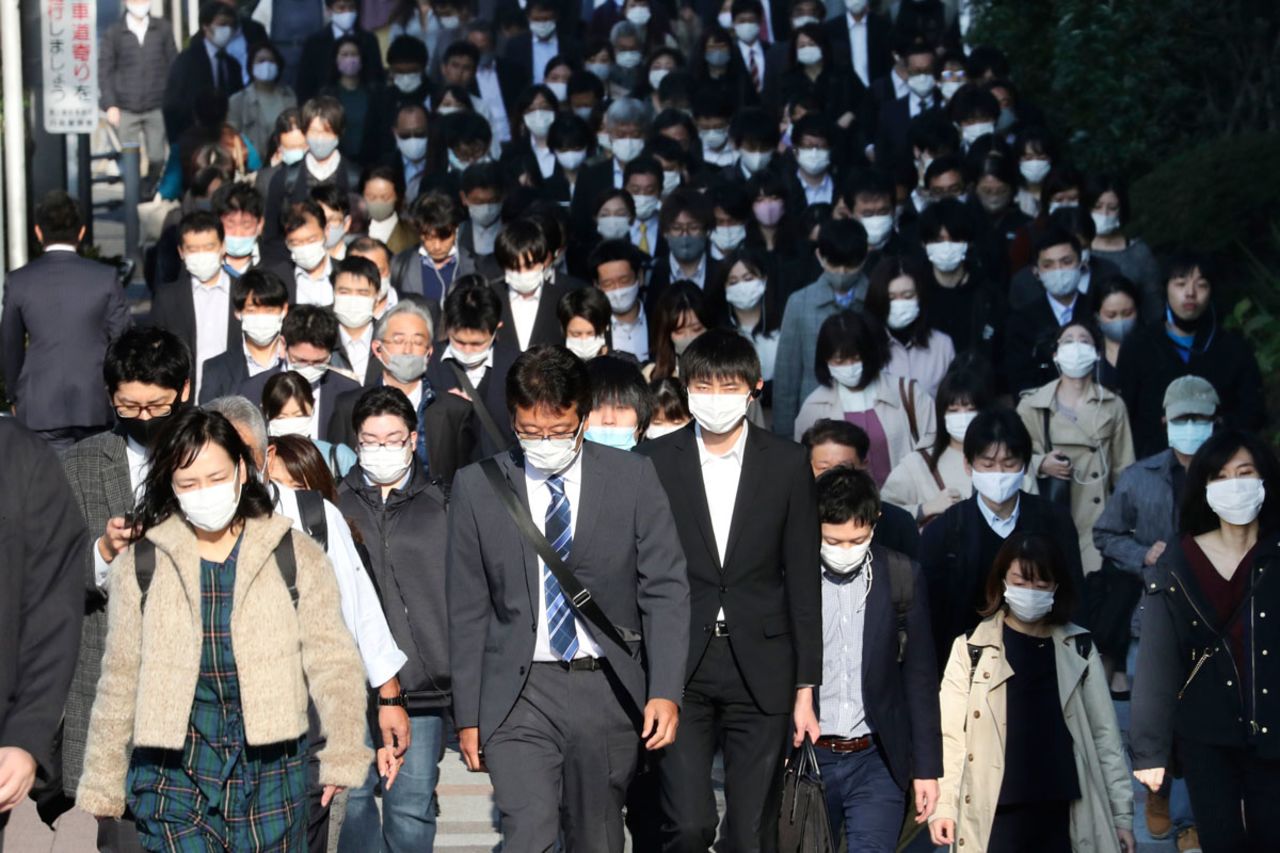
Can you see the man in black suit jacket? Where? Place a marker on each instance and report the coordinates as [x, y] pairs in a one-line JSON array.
[[401, 349], [316, 66], [529, 52], [746, 512], [310, 337], [260, 301], [60, 313], [959, 547], [626, 119], [873, 29], [531, 287], [557, 713], [1032, 329], [205, 66]]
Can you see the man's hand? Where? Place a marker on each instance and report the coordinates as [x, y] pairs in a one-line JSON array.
[[941, 502], [1153, 554], [469, 745], [942, 832], [806, 722], [1153, 778], [330, 791], [661, 717], [1056, 464], [118, 535], [389, 765], [113, 116], [926, 791], [17, 775], [393, 720]]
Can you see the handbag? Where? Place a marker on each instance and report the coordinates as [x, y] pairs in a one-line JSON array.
[[1111, 593], [803, 825], [1053, 489]]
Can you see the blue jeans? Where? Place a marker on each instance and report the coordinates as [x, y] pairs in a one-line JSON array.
[[408, 821], [863, 799]]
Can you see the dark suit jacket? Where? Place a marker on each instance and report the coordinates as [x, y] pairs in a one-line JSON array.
[[492, 390], [285, 269], [546, 325], [281, 185], [625, 552], [191, 76], [896, 530], [519, 51], [314, 69], [223, 375], [1029, 336], [173, 309], [593, 181], [879, 43], [956, 572], [372, 369], [770, 582], [893, 125], [332, 386], [446, 424], [44, 540], [60, 313], [901, 699]]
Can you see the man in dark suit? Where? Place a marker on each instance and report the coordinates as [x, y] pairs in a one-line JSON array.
[[893, 117], [553, 706], [310, 338], [627, 123], [197, 307], [318, 50], [401, 349], [531, 287], [530, 52], [203, 67], [878, 706], [959, 547], [41, 604], [355, 295], [1032, 329], [147, 373], [472, 316], [861, 40], [430, 269], [60, 313], [260, 301], [747, 516]]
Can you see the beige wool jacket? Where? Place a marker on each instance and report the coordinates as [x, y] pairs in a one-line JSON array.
[[152, 658], [973, 728]]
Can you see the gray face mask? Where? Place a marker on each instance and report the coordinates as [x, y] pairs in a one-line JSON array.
[[406, 367], [840, 282], [687, 248]]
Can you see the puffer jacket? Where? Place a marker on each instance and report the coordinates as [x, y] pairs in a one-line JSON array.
[[282, 652], [973, 726]]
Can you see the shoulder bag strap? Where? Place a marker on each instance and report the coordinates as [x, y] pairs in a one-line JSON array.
[[906, 391], [1048, 442], [287, 562], [902, 593], [311, 513], [481, 410], [144, 566], [574, 591], [928, 463]]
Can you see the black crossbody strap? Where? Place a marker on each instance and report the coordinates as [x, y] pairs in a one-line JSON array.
[[481, 410], [575, 592]]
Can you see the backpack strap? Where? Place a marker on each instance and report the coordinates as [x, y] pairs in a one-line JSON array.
[[144, 566], [287, 562], [975, 655], [311, 513], [907, 392], [902, 592]]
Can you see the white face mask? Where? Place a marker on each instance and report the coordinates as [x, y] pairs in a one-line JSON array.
[[1238, 500], [755, 161], [745, 294], [613, 227], [947, 256], [551, 456], [627, 149], [844, 561], [623, 299], [958, 423], [526, 282], [570, 161], [1034, 170], [539, 122], [308, 256], [803, 21], [1105, 223], [560, 90], [1027, 604], [656, 76], [203, 266], [484, 215], [313, 373], [670, 182], [921, 84], [659, 430], [407, 83], [646, 205], [713, 139], [267, 72], [629, 58], [138, 10], [262, 329], [300, 426], [1061, 282], [726, 238], [814, 161], [1075, 359], [810, 54], [639, 15], [221, 35], [878, 229], [542, 29], [747, 32], [386, 465], [211, 508], [971, 133], [997, 486], [718, 413], [585, 348], [848, 375], [353, 311], [949, 88], [903, 312], [468, 359]]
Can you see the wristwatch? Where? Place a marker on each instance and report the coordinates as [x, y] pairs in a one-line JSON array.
[[398, 699]]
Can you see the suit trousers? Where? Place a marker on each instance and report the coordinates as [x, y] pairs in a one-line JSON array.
[[561, 762], [148, 129], [720, 713]]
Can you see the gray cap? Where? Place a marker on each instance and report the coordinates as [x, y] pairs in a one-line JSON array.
[[1190, 395]]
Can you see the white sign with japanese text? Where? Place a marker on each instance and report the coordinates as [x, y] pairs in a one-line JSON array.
[[69, 42]]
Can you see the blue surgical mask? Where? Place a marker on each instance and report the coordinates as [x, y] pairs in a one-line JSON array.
[[1117, 330], [1186, 437], [622, 438], [240, 247]]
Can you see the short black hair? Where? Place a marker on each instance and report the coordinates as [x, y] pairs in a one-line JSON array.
[[407, 50], [148, 355], [472, 304], [847, 494], [311, 324], [58, 218], [1183, 262], [608, 251], [548, 376], [436, 213], [238, 197], [200, 222], [843, 242], [1056, 236], [297, 215], [266, 288], [670, 399], [720, 354], [948, 214], [211, 10], [847, 334], [484, 176], [690, 201], [616, 382], [843, 433], [1041, 558], [384, 400], [390, 174], [994, 426], [589, 303], [331, 196], [362, 267], [1197, 517], [522, 241], [326, 108]]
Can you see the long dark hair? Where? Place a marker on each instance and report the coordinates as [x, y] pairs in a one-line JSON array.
[[893, 267], [1042, 561], [1197, 517], [679, 297], [188, 432], [964, 383]]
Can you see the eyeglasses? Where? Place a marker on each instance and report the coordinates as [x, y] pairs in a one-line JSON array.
[[694, 230], [155, 410], [392, 443], [555, 436]]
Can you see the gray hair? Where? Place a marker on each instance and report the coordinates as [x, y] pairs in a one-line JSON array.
[[404, 306], [625, 29], [243, 413], [627, 111]]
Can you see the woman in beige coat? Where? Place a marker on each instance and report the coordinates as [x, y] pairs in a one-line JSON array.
[[1088, 442], [1032, 755], [220, 624]]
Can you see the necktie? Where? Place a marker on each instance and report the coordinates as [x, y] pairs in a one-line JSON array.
[[755, 69], [562, 628], [224, 71], [644, 238]]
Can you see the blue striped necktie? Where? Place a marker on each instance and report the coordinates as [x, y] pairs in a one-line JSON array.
[[562, 629]]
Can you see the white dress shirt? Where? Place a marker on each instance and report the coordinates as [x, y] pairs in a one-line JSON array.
[[524, 310], [749, 50], [1062, 312], [315, 291], [699, 276], [543, 52], [361, 610], [357, 350], [822, 193], [720, 476], [1002, 527], [491, 94], [252, 364], [382, 230], [650, 233], [212, 303], [139, 466], [535, 483], [841, 708], [545, 157], [632, 337], [858, 46], [900, 88], [726, 156]]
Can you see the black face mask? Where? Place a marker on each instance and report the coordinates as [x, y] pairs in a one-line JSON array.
[[145, 432]]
